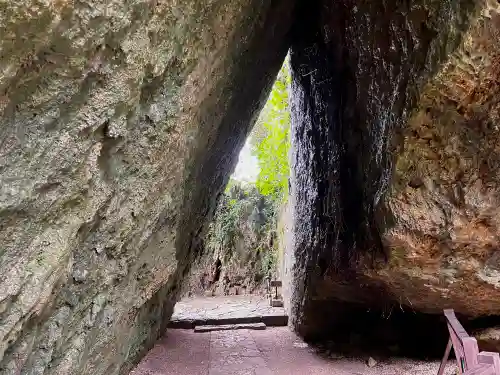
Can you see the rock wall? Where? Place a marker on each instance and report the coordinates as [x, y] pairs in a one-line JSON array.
[[120, 122], [395, 151], [239, 252], [285, 252]]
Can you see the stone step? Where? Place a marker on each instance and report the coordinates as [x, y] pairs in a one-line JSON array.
[[230, 327], [269, 321]]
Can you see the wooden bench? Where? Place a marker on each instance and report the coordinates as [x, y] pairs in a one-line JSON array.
[[469, 360]]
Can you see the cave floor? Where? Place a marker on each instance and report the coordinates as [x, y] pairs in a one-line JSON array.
[[274, 351]]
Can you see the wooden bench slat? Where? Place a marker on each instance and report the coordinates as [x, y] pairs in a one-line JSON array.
[[471, 351], [481, 369], [490, 358], [469, 360]]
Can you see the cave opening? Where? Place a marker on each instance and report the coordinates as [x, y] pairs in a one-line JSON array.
[[395, 331], [242, 242]]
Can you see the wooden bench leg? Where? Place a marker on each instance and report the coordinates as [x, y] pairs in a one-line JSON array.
[[445, 357]]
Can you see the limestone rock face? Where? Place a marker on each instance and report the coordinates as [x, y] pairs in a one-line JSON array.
[[120, 122], [395, 186]]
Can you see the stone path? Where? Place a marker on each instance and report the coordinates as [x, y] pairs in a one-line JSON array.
[[275, 351], [226, 310]]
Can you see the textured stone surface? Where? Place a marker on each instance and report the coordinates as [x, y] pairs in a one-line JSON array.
[[275, 351], [239, 252], [395, 152], [120, 122], [230, 327], [226, 310]]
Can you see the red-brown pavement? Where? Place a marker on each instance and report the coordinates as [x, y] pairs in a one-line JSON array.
[[275, 351]]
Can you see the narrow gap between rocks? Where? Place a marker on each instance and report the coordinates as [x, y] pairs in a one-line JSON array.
[[244, 240]]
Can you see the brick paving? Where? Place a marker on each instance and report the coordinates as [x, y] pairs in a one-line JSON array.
[[275, 351], [226, 310]]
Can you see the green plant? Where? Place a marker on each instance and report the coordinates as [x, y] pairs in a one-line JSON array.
[[243, 212], [271, 140], [251, 211]]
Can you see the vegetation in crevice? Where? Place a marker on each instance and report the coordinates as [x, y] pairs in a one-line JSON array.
[[244, 217], [243, 234]]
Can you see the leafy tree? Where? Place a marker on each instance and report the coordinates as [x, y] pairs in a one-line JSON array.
[[243, 212], [270, 140]]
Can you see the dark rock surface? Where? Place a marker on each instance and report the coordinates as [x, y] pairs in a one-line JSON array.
[[395, 146], [120, 122]]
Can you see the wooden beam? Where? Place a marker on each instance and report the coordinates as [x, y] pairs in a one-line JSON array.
[[445, 357]]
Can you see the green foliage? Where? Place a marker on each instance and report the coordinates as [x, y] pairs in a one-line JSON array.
[[249, 212], [271, 140], [244, 212]]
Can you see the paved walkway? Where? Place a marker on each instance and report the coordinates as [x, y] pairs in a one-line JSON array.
[[275, 351], [226, 310]]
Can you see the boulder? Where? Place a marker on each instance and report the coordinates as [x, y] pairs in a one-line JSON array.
[[395, 190], [119, 125]]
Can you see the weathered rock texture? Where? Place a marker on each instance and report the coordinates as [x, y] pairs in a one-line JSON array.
[[120, 122], [395, 110], [240, 250]]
